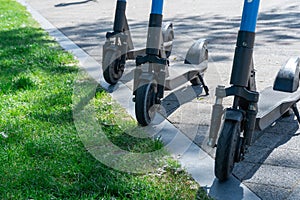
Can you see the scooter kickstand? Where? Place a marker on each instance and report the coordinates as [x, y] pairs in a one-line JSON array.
[[296, 112], [203, 84]]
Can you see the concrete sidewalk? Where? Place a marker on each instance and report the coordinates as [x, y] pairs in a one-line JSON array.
[[271, 169]]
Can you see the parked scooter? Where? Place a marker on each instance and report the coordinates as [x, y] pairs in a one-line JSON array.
[[250, 109], [153, 75]]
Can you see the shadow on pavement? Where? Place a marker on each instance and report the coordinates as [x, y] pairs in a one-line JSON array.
[[265, 143], [73, 3]]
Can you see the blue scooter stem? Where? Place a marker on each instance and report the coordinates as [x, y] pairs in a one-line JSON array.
[[154, 31], [157, 7], [249, 18]]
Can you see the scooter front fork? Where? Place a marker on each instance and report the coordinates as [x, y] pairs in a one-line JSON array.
[[216, 117], [250, 123], [160, 76], [156, 72], [136, 78], [248, 127], [124, 49], [218, 111]]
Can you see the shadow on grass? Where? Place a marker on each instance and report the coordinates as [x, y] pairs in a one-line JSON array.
[[63, 170], [25, 51]]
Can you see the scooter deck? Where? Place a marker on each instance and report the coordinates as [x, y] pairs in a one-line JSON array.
[[273, 104], [179, 74]]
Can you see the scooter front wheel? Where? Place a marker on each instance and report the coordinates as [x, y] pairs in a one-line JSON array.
[[226, 149], [112, 67], [145, 99]]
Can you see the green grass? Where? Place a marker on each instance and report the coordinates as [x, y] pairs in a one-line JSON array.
[[41, 153]]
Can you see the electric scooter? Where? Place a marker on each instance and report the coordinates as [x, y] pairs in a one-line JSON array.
[[153, 75], [250, 109], [119, 46]]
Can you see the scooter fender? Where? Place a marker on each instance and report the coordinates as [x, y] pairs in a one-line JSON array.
[[139, 77], [197, 53], [146, 76], [234, 114], [287, 79], [109, 47], [167, 39], [167, 31]]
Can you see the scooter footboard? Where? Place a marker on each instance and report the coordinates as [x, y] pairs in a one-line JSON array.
[[287, 79], [272, 105], [196, 63]]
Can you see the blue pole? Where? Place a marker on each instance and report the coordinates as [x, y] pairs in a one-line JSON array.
[[122, 0], [249, 17], [157, 7]]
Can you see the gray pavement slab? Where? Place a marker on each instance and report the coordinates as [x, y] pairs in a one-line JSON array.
[[295, 193], [278, 36], [245, 170], [278, 176], [270, 140], [288, 127], [270, 192], [293, 142], [286, 158]]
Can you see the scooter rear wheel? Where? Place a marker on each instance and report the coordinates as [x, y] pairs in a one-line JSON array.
[[195, 81], [168, 37], [112, 67], [226, 149], [145, 99]]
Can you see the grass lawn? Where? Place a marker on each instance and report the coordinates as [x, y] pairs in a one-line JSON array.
[[41, 154]]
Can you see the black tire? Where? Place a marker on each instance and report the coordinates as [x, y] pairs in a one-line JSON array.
[[238, 151], [145, 99], [288, 113], [226, 149], [195, 81], [112, 67]]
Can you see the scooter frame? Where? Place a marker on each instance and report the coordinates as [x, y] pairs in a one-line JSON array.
[[240, 120], [149, 85]]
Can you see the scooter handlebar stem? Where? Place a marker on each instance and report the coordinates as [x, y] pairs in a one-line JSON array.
[[249, 17], [157, 7]]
